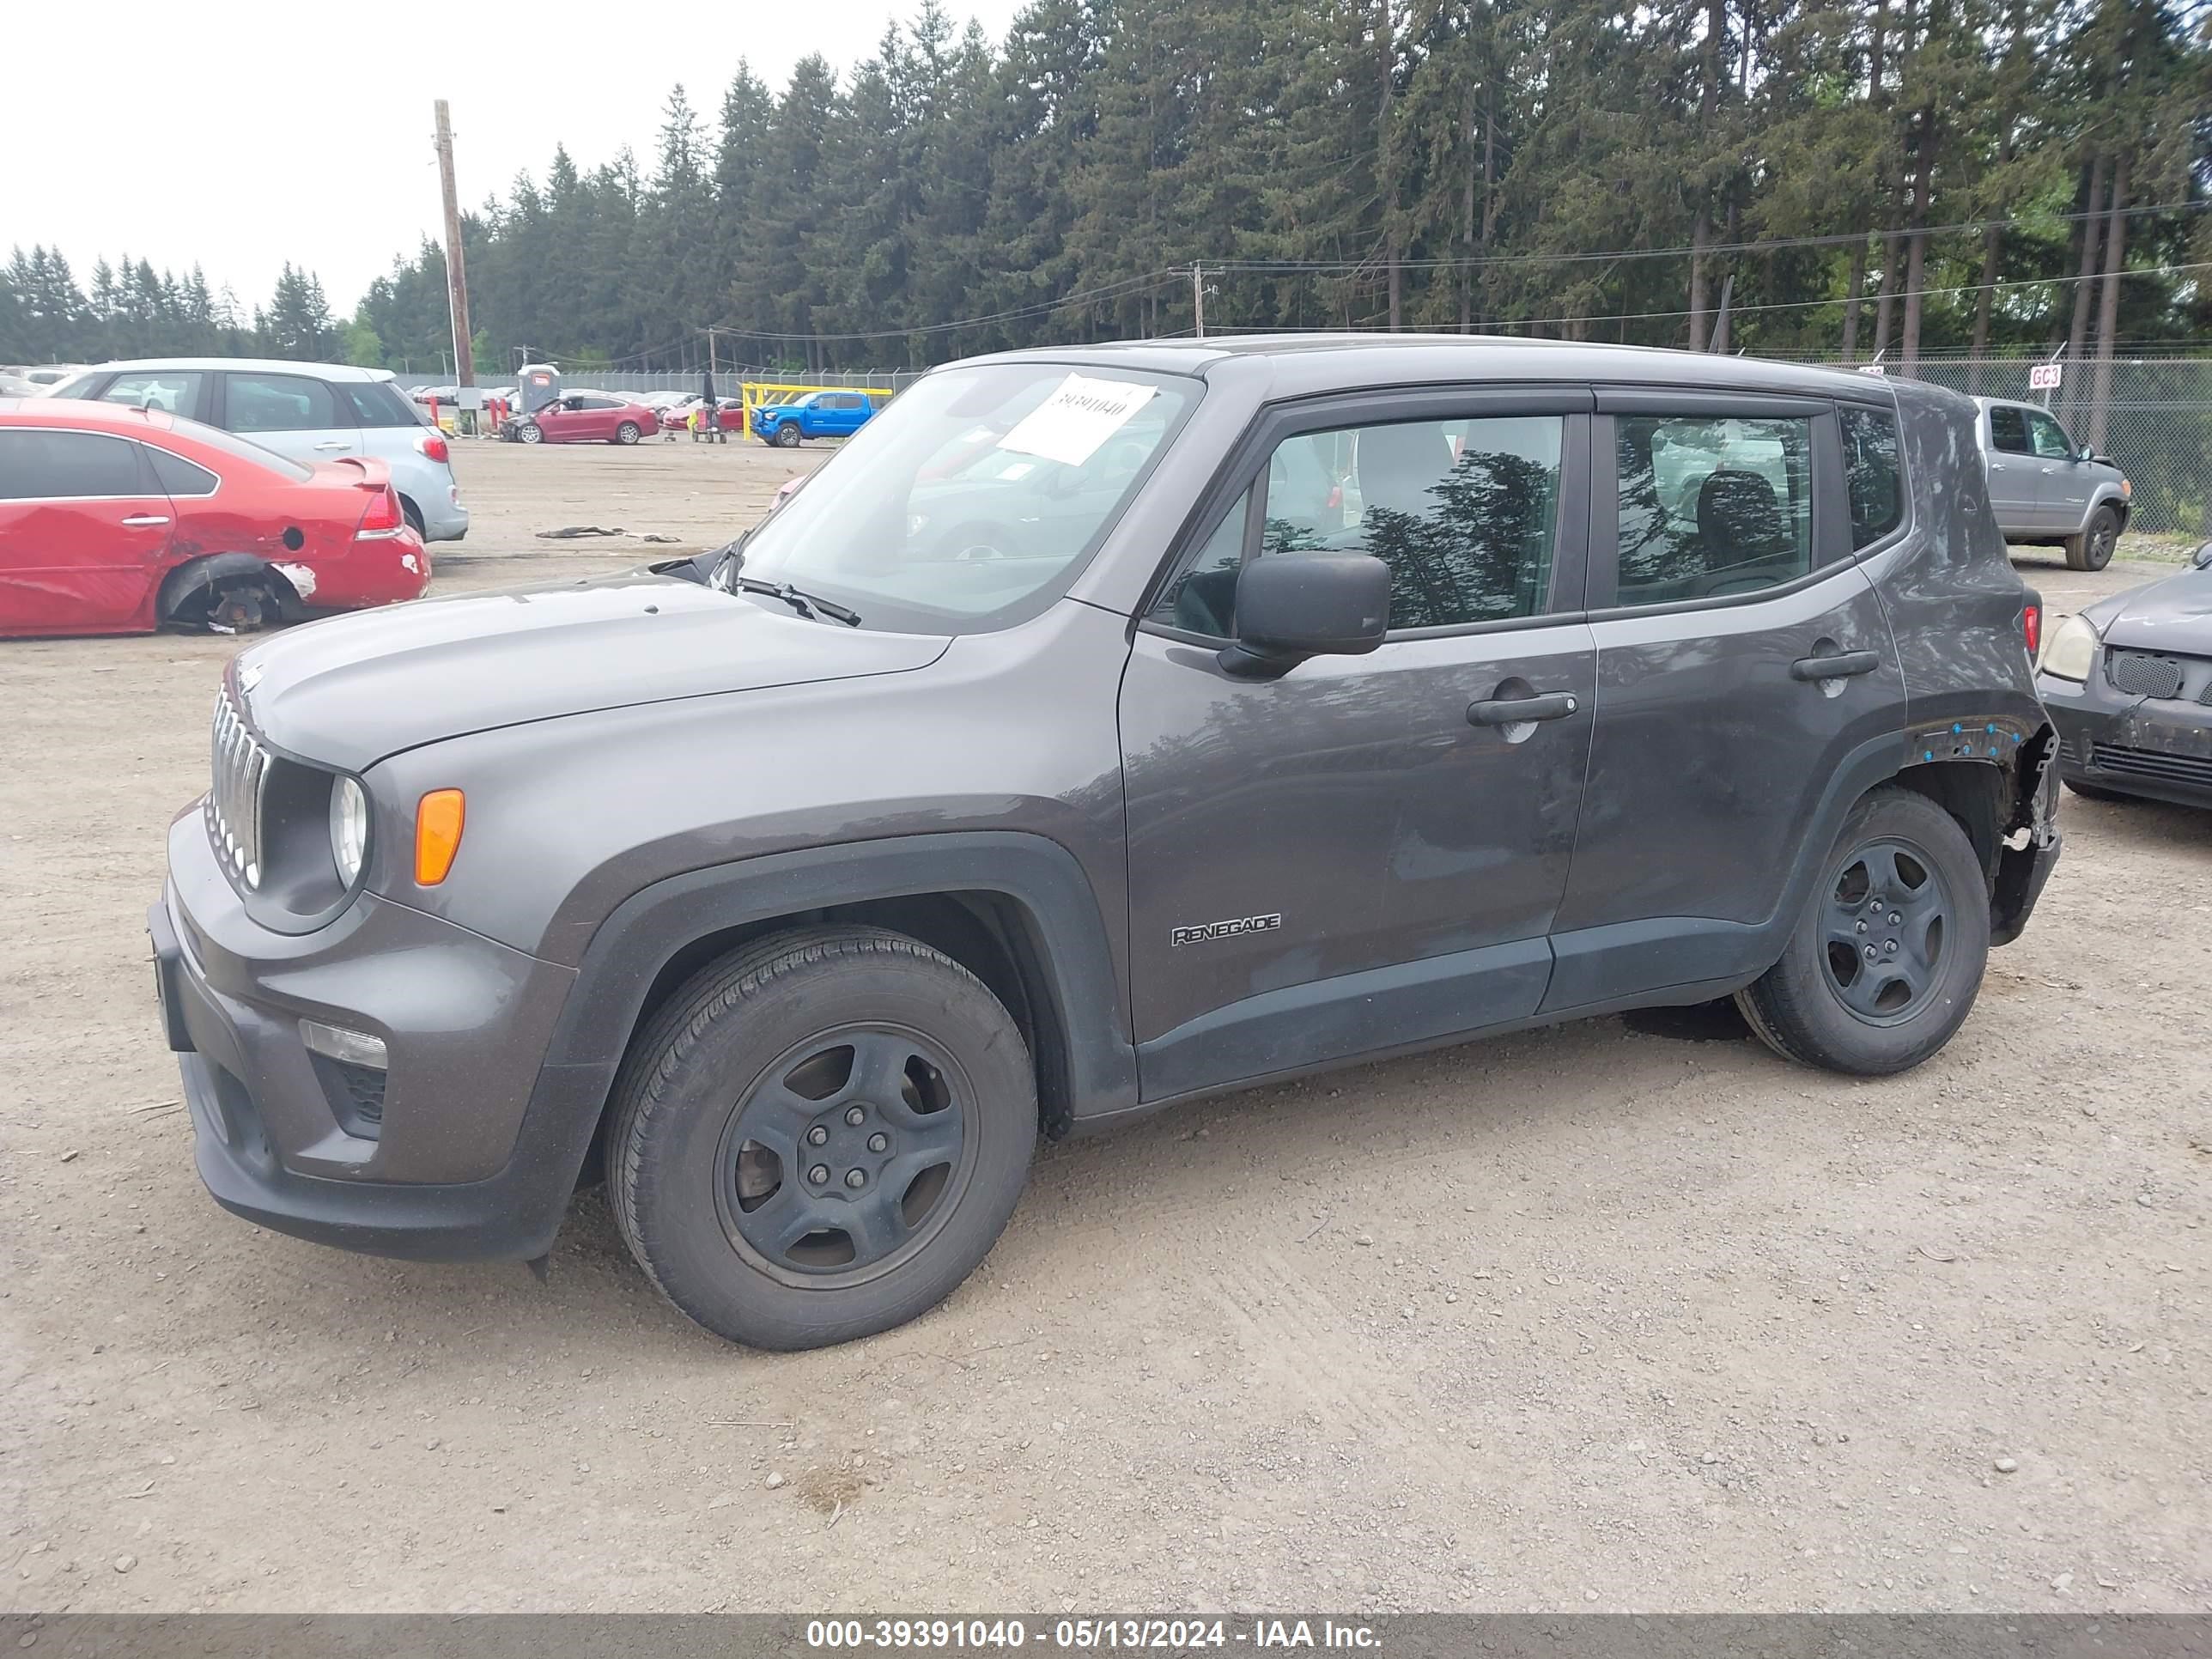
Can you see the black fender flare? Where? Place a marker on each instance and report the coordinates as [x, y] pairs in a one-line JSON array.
[[1070, 947], [195, 576]]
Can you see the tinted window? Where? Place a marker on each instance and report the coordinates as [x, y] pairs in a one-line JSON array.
[[281, 403], [1202, 600], [1873, 473], [2009, 429], [1711, 505], [375, 404], [178, 476], [596, 403], [2048, 437], [77, 386], [1461, 511], [245, 450], [175, 392], [50, 465]]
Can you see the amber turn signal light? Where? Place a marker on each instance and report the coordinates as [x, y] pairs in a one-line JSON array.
[[437, 836]]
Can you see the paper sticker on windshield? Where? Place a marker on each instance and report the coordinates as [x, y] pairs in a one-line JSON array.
[[1080, 415]]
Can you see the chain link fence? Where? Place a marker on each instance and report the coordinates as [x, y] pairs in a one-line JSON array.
[[727, 379]]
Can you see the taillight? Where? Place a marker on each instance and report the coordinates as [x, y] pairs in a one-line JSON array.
[[2031, 628], [383, 519], [433, 446]]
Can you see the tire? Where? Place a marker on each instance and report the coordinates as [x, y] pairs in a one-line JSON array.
[[529, 433], [743, 1238], [628, 432], [1806, 1010], [2092, 549], [786, 435], [414, 517]]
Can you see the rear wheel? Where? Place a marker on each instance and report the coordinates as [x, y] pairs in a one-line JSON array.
[[2092, 549], [628, 432], [821, 1136], [1886, 961], [413, 515], [786, 435]]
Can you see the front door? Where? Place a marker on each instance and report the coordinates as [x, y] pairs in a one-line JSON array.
[[1365, 854], [2063, 488], [1721, 581], [84, 533], [291, 414]]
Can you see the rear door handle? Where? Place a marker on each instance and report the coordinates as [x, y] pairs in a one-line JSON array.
[[1513, 711], [143, 521], [1842, 665]]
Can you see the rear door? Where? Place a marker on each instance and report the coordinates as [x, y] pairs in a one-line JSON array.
[[848, 409], [294, 415], [1364, 854], [2016, 475], [1722, 579], [84, 533]]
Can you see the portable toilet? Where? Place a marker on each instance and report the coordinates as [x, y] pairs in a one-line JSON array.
[[539, 385]]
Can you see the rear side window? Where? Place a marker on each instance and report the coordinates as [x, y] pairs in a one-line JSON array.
[[67, 465], [1873, 473], [179, 477], [1710, 505], [2009, 429], [281, 403], [375, 404]]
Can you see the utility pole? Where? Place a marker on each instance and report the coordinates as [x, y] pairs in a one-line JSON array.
[[456, 279], [1198, 296], [1720, 342]]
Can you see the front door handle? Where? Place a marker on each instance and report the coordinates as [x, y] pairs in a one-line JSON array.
[[1513, 711], [143, 521], [1842, 665], [335, 443]]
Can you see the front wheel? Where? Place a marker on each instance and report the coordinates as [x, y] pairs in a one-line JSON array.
[[531, 433], [820, 1136], [628, 432], [786, 435], [2092, 549], [1885, 962]]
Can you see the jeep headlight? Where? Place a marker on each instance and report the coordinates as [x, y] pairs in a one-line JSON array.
[[349, 827], [2071, 650]]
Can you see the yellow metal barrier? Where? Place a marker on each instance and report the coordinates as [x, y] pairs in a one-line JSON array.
[[763, 394]]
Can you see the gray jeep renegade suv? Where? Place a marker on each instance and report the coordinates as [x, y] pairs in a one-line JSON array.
[[1105, 727]]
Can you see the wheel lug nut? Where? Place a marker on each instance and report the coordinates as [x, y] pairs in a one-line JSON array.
[[1862, 926], [819, 1174], [855, 1116], [1870, 953], [856, 1178], [817, 1135], [879, 1143], [1895, 918], [1890, 948]]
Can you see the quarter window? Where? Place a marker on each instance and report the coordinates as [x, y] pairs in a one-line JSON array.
[[1462, 511], [179, 477], [1873, 473], [281, 403], [375, 404], [37, 465], [1203, 598], [173, 391], [1711, 505]]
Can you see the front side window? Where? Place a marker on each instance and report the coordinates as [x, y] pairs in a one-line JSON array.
[[1462, 511], [2008, 428], [280, 403], [2048, 437], [1873, 473], [1711, 505], [976, 494], [173, 391], [40, 465]]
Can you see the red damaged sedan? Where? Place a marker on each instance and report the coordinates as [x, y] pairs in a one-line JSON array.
[[118, 520]]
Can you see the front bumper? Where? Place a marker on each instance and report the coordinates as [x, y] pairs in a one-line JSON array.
[[2160, 749], [477, 1146]]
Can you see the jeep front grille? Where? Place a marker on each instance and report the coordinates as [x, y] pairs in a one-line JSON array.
[[233, 802]]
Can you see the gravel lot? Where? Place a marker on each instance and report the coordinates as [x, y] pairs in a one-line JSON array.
[[1628, 1314]]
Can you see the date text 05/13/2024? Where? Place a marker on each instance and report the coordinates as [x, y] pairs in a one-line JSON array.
[[1157, 1635]]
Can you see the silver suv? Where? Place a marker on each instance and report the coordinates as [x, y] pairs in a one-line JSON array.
[[309, 411], [2046, 488]]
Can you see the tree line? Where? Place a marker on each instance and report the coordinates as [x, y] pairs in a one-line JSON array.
[[1810, 177], [128, 309]]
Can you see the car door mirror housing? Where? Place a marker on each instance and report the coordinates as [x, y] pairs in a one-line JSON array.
[[1293, 606], [2202, 559]]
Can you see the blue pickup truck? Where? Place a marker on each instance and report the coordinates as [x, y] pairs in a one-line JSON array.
[[815, 415]]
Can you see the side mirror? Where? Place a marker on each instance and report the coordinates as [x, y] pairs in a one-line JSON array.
[[2085, 453], [2203, 557], [1292, 606]]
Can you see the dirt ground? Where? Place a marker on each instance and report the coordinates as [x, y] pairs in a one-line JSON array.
[[1624, 1315]]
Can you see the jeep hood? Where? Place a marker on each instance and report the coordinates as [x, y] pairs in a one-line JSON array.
[[349, 691], [2172, 614]]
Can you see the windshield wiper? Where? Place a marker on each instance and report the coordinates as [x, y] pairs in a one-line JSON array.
[[807, 605]]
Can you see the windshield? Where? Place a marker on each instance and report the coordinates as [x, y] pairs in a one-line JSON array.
[[975, 496]]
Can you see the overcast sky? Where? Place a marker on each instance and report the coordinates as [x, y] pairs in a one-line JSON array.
[[241, 133]]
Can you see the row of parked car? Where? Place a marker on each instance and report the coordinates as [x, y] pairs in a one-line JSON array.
[[594, 416]]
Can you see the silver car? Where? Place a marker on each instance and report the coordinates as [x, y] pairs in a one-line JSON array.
[[309, 411], [2046, 488]]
